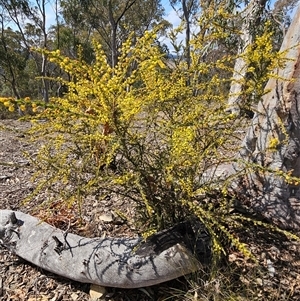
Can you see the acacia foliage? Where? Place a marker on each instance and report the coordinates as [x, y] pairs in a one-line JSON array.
[[146, 130], [141, 132]]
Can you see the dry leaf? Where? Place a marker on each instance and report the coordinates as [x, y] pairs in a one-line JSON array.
[[107, 217], [96, 292]]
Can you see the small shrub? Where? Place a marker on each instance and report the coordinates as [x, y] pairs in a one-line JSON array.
[[145, 131]]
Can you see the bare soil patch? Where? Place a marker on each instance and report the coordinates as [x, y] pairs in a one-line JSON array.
[[278, 277]]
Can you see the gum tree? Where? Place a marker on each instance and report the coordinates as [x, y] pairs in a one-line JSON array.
[[272, 142], [251, 17], [30, 20], [187, 10], [112, 21]]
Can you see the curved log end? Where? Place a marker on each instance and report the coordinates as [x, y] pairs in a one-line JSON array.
[[117, 262]]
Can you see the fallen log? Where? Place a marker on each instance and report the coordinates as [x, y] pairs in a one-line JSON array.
[[114, 262]]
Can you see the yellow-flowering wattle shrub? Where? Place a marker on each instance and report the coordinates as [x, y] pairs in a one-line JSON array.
[[139, 129], [145, 130]]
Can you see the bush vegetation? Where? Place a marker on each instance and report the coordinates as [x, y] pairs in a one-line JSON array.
[[148, 130]]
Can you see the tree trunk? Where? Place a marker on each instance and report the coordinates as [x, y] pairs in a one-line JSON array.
[[186, 15], [250, 18], [273, 142], [119, 262], [45, 81]]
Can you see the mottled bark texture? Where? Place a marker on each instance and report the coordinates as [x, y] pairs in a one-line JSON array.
[[250, 19], [273, 142], [117, 262]]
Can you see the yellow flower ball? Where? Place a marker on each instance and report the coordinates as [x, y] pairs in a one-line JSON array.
[[22, 108]]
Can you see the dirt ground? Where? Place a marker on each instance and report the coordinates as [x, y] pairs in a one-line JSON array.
[[19, 280], [278, 277]]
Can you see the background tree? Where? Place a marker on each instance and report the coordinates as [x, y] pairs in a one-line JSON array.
[[14, 57], [30, 20], [114, 20], [75, 29], [187, 12]]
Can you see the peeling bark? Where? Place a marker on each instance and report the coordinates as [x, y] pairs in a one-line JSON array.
[[252, 175], [277, 119], [116, 262], [250, 16]]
